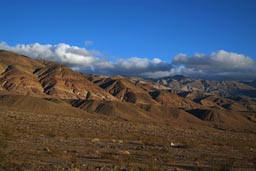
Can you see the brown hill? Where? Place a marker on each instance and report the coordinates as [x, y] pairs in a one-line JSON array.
[[62, 82], [139, 91], [139, 112], [122, 110], [173, 115], [124, 89], [38, 105], [17, 74], [225, 119], [168, 98], [220, 102], [25, 76]]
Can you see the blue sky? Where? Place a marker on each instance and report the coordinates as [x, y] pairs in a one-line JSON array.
[[121, 29]]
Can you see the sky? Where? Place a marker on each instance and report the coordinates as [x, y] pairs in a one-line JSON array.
[[212, 39]]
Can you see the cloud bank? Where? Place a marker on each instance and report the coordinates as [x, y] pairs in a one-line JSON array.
[[81, 59], [217, 65], [61, 53]]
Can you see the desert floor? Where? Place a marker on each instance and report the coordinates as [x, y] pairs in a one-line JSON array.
[[52, 142]]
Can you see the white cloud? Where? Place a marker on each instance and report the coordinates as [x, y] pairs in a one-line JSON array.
[[220, 64], [177, 70], [62, 53], [136, 66], [217, 65], [137, 63], [232, 60], [87, 60], [180, 58], [218, 59]]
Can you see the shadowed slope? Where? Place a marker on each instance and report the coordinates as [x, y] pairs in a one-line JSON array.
[[168, 98], [220, 102], [124, 89], [238, 121], [123, 110]]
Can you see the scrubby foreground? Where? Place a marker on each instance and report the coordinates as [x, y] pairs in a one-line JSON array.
[[81, 141]]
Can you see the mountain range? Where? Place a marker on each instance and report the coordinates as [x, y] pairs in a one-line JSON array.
[[34, 84]]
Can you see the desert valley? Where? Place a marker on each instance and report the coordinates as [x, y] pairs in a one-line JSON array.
[[54, 118]]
